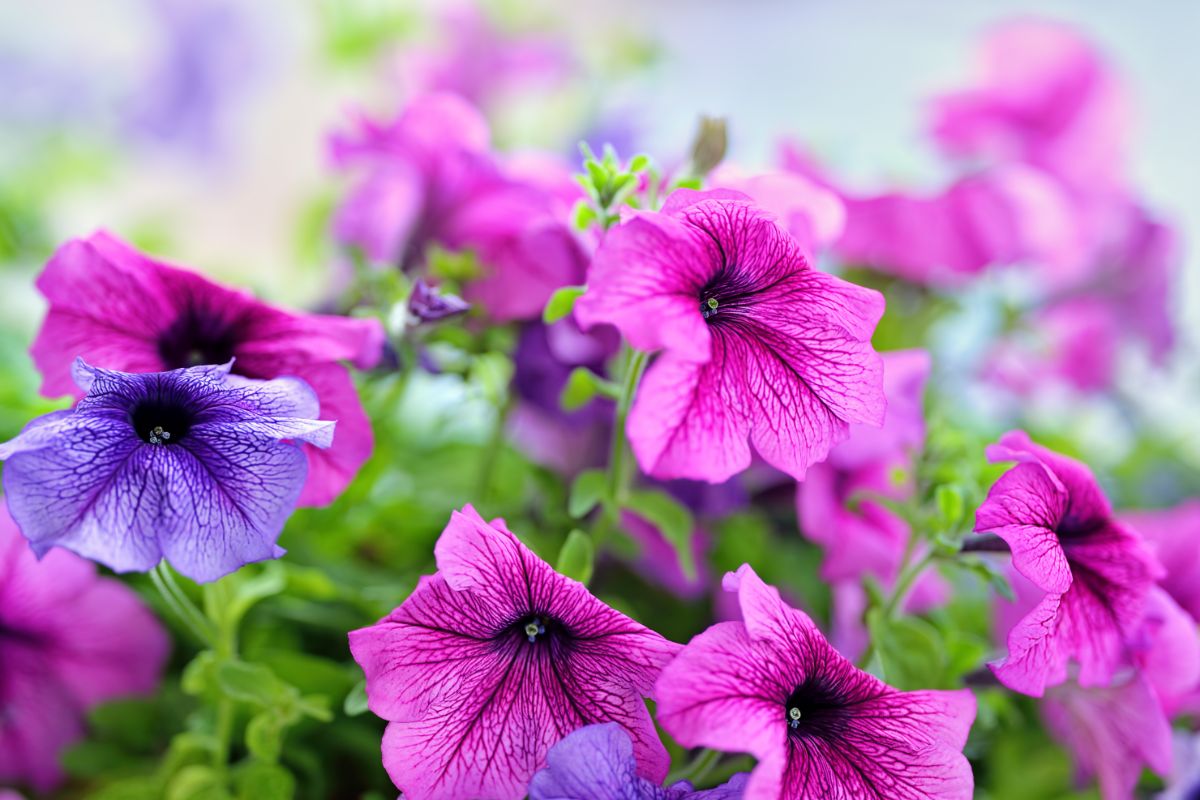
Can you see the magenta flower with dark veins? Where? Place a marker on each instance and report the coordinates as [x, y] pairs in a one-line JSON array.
[[69, 640], [121, 310], [196, 466], [597, 763], [759, 348], [772, 686], [1095, 572], [495, 658]]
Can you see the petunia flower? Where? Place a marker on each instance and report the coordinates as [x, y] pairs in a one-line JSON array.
[[429, 178], [427, 304], [1095, 572], [195, 465], [1184, 781], [772, 686], [121, 310], [1174, 534], [69, 640], [596, 762], [759, 348], [495, 658]]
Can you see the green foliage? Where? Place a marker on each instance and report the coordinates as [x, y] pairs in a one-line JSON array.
[[673, 520], [577, 557], [561, 303]]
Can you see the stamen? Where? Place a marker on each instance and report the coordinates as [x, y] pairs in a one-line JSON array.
[[709, 307], [534, 629], [794, 718], [159, 436]]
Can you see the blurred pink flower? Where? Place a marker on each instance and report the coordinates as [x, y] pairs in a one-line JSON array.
[[69, 640], [658, 561], [1174, 533], [813, 214], [430, 178]]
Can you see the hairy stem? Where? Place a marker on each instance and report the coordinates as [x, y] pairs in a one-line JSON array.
[[180, 605]]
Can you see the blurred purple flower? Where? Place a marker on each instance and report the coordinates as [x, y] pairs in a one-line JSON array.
[[596, 762], [1184, 781], [759, 348], [195, 466], [492, 660], [69, 640], [427, 304], [119, 309], [1174, 533], [658, 560], [773, 687]]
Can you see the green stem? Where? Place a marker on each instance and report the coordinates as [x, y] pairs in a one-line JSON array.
[[491, 454], [697, 769], [179, 603], [617, 479], [216, 603], [908, 576]]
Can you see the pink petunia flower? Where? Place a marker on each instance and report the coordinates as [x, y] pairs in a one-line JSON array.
[[760, 349], [772, 686], [69, 640], [429, 178], [1095, 572], [494, 659], [1174, 534], [121, 310]]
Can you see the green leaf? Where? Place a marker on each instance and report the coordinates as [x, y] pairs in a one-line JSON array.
[[251, 683], [561, 303], [639, 162], [910, 650], [315, 706], [355, 703], [949, 501], [271, 581], [264, 735], [200, 674], [575, 559], [255, 780], [581, 387], [583, 215], [196, 782], [91, 759], [988, 571], [672, 519], [587, 491]]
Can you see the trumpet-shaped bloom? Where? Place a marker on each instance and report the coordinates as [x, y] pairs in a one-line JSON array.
[[1095, 572], [597, 763], [69, 640], [195, 465], [429, 178], [1174, 534], [772, 686], [760, 349], [494, 659], [118, 309]]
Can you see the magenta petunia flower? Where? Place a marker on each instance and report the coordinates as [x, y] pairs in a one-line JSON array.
[[1174, 534], [1095, 572], [495, 658], [1112, 732], [596, 762], [69, 640], [813, 214], [429, 178], [773, 687], [760, 349], [121, 310], [1044, 96], [196, 466]]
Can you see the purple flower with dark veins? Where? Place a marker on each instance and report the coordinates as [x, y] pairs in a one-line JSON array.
[[195, 465], [494, 659], [427, 304], [597, 763]]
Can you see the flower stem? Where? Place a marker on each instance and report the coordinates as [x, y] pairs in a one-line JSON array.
[[697, 769], [904, 583], [216, 604], [179, 603], [617, 477]]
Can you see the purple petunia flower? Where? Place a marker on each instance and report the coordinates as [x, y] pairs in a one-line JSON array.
[[1095, 572], [196, 466], [118, 309], [760, 349], [430, 178], [427, 304], [596, 762], [772, 686], [494, 659], [69, 640]]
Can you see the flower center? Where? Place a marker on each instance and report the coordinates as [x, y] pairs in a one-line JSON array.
[[814, 709], [794, 715], [197, 337], [708, 308], [161, 421], [534, 628]]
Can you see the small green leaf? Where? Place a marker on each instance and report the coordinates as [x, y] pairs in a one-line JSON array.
[[583, 216], [255, 780], [137, 788], [271, 581], [575, 559], [355, 703], [200, 674], [950, 504], [315, 706], [587, 491], [196, 782], [673, 521], [250, 683], [581, 387], [910, 650], [264, 736], [561, 303], [639, 162]]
